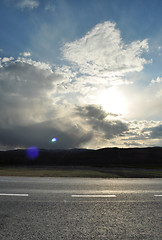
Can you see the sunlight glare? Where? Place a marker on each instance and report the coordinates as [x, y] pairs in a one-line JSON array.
[[113, 101]]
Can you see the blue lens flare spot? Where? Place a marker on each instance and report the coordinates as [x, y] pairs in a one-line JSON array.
[[32, 152], [54, 139]]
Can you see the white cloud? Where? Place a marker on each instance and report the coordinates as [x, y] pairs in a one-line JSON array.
[[25, 54], [6, 59], [30, 4], [40, 65], [143, 99], [142, 133], [50, 7], [98, 61], [102, 54], [39, 100], [157, 80]]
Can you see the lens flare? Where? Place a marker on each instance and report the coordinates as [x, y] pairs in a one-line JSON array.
[[54, 139], [32, 152]]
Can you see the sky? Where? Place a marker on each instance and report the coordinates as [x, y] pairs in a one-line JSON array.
[[80, 74]]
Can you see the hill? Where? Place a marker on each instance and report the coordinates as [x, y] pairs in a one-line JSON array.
[[105, 157]]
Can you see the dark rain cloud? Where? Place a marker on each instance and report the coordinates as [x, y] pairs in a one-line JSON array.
[[111, 129], [40, 135], [26, 105], [31, 116], [96, 118], [155, 132], [25, 93], [91, 111], [25, 79]]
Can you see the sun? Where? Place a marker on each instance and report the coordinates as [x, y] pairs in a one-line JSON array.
[[113, 101]]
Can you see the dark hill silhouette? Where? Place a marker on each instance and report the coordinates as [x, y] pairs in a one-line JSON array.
[[105, 157]]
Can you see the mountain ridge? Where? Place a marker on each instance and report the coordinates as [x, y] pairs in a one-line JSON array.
[[150, 157]]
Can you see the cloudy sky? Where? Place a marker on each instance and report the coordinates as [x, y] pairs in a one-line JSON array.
[[87, 73]]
